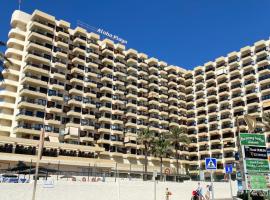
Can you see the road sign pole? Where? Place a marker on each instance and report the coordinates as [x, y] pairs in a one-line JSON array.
[[155, 189], [230, 178], [155, 184], [212, 186]]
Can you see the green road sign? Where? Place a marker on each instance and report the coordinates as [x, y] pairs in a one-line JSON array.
[[258, 182], [257, 166], [250, 139]]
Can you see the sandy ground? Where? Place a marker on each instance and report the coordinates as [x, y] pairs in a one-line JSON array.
[[122, 190]]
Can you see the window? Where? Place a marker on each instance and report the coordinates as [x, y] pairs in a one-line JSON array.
[[78, 98], [40, 114], [107, 126], [29, 113], [84, 122], [42, 90], [52, 93], [86, 100], [37, 126], [42, 102], [48, 128]]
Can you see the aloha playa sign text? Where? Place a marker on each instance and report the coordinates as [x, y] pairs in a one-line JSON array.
[[112, 36], [101, 31]]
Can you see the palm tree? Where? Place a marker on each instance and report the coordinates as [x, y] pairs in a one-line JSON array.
[[3, 61], [161, 147], [146, 138], [178, 137], [266, 121]]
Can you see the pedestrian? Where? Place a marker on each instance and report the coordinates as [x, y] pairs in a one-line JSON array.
[[167, 194], [200, 191], [207, 192]]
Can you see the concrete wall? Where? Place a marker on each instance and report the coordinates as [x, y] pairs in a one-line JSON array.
[[128, 190]]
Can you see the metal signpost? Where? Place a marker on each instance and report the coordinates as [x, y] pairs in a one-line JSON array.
[[211, 164], [155, 184], [229, 171]]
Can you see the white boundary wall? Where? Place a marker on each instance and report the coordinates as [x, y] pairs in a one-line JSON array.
[[128, 190]]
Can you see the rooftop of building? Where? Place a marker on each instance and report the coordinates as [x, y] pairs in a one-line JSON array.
[[18, 14]]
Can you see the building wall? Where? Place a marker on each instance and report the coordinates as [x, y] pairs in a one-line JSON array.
[[218, 93], [90, 91]]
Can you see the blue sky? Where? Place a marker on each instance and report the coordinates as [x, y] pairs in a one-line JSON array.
[[186, 33]]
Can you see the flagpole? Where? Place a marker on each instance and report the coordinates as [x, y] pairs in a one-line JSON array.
[[20, 1], [40, 147]]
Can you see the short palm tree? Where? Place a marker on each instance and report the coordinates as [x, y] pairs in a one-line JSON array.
[[3, 61], [146, 138], [161, 147], [178, 137]]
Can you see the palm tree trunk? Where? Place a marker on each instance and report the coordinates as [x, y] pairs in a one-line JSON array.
[[177, 165], [161, 174], [145, 163], [177, 161]]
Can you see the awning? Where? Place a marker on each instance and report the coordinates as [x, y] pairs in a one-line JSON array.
[[86, 139], [53, 139], [73, 131], [266, 104]]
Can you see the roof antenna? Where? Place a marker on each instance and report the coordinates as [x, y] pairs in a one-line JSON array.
[[20, 1]]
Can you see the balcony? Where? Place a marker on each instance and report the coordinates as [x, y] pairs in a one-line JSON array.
[[227, 148], [253, 102], [32, 57], [265, 88], [27, 130], [264, 78], [55, 96], [132, 69], [25, 116], [261, 59], [40, 36], [223, 91], [39, 25], [264, 69], [25, 103], [38, 46], [30, 91]]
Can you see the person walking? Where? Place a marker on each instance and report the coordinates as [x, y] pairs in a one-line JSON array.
[[200, 191], [207, 192], [167, 194]]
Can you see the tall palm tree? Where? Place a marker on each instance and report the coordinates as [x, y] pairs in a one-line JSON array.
[[3, 61], [161, 147], [146, 138], [178, 138]]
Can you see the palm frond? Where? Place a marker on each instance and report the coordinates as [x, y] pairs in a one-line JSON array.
[[178, 135], [266, 121], [146, 136], [161, 145], [4, 62], [1, 77]]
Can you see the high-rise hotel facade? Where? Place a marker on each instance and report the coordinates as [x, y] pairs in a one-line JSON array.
[[93, 96]]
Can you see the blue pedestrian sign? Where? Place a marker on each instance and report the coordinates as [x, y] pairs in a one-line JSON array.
[[228, 169], [210, 163]]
